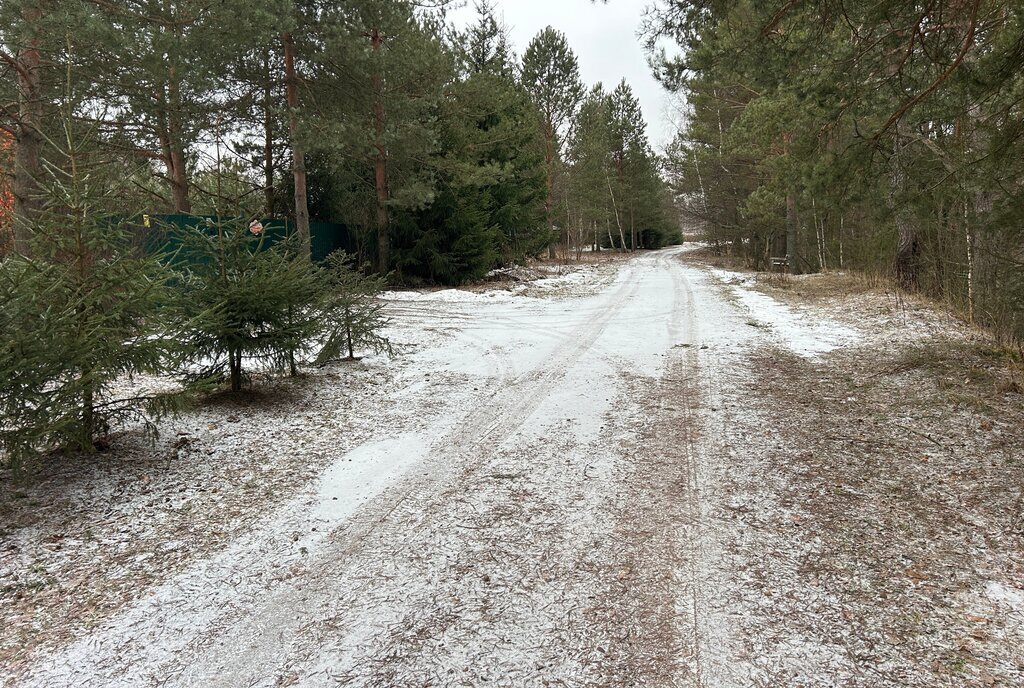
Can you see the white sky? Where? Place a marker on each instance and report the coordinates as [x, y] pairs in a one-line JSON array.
[[604, 38]]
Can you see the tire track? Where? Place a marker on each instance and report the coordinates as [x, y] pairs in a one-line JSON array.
[[453, 461], [248, 638]]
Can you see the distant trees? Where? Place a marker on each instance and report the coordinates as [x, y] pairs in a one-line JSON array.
[[491, 183], [442, 152], [551, 75], [880, 136]]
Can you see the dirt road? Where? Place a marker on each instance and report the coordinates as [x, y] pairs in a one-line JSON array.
[[560, 491]]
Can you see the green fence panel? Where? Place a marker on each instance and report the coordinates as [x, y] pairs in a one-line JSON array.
[[155, 233]]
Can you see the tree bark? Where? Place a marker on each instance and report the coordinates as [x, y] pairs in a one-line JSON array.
[[792, 227], [792, 221], [29, 141], [268, 139], [380, 161], [235, 364], [549, 164], [906, 266], [632, 229], [298, 156], [177, 172]]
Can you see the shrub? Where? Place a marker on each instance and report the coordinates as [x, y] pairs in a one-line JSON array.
[[351, 314]]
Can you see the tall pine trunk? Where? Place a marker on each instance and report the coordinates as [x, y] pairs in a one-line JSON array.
[[380, 163], [175, 146], [29, 142], [906, 265], [549, 200], [268, 138], [298, 156]]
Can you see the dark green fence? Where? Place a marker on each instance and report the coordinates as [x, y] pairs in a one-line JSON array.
[[157, 233]]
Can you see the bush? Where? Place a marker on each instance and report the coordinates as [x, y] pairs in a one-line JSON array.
[[246, 300]]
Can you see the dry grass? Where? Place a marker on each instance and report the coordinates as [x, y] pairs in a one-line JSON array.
[[903, 474]]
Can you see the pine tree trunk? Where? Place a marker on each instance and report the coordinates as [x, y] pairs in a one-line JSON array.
[[298, 156], [549, 201], [906, 265], [380, 160], [28, 166], [268, 138], [176, 150]]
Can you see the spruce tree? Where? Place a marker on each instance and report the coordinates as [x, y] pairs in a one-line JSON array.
[[489, 204], [351, 313], [82, 309], [245, 300]]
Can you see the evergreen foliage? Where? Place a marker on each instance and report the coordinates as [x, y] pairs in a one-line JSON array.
[[243, 300], [352, 316], [79, 313], [491, 184], [876, 136], [447, 155]]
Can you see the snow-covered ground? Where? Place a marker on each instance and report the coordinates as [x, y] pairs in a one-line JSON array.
[[562, 482]]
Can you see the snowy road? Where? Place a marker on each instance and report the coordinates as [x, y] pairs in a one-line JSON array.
[[541, 524], [547, 503]]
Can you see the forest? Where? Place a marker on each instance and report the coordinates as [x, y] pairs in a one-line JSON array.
[[468, 343], [442, 152], [883, 137]]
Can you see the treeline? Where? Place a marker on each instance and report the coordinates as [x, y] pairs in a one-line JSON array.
[[879, 136], [443, 152]]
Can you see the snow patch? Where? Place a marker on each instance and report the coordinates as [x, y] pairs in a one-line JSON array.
[[1005, 596], [805, 334]]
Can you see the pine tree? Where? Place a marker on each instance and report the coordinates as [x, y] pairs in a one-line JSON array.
[[489, 203], [550, 73], [880, 134], [381, 73]]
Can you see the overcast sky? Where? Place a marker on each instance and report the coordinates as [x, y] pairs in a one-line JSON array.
[[604, 37]]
